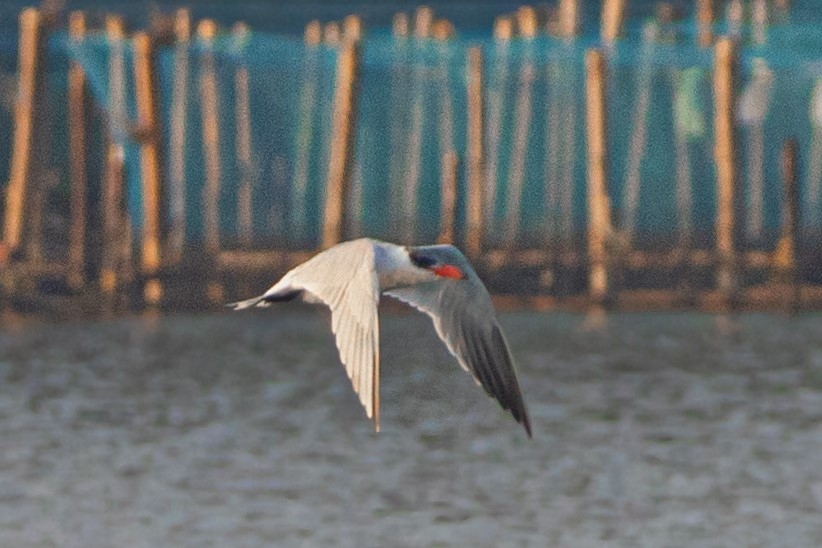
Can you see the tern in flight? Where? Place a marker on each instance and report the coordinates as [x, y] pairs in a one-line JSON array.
[[435, 279]]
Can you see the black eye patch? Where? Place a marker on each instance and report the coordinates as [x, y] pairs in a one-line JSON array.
[[422, 261]]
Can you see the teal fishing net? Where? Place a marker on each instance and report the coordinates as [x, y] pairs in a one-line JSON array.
[[412, 110]]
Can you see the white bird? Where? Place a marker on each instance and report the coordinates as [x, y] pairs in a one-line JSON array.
[[436, 279]]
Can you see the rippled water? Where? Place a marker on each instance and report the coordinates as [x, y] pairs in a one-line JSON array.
[[241, 430]]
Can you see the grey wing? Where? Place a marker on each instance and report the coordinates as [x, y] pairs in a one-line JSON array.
[[344, 278], [465, 320]]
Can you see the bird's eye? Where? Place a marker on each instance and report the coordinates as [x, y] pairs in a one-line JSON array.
[[421, 260]]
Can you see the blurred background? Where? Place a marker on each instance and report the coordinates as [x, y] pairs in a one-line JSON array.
[[638, 182], [643, 154]]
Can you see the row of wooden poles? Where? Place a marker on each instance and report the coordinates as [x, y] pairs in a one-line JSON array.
[[158, 248]]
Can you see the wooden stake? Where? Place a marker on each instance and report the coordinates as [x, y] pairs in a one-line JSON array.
[[20, 169], [77, 123], [423, 19], [207, 31], [115, 243], [568, 17], [527, 23], [448, 208], [442, 30], [474, 145], [399, 25], [788, 248], [352, 28], [735, 18], [331, 34], [613, 12], [113, 222], [179, 109], [243, 138], [599, 208], [313, 33], [705, 22], [726, 173], [341, 153], [759, 21], [145, 90]]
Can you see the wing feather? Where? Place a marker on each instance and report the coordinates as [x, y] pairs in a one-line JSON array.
[[345, 279], [465, 320]]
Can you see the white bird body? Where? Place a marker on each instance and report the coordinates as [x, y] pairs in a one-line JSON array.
[[437, 280]]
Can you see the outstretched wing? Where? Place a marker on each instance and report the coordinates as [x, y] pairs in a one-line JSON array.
[[344, 278], [465, 320]]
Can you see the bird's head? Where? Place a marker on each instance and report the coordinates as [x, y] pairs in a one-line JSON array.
[[443, 260]]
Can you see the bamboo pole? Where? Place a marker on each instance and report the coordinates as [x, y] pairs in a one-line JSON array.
[[240, 32], [613, 13], [342, 143], [599, 214], [77, 123], [788, 248], [20, 171], [527, 22], [177, 145], [474, 145], [115, 244], [145, 90], [725, 159], [207, 32], [705, 22], [448, 197]]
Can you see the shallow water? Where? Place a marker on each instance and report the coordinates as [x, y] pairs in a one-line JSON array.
[[241, 430]]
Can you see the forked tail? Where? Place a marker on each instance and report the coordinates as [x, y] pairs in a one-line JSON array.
[[248, 303], [266, 299]]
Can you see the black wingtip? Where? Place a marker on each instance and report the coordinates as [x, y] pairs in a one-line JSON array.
[[526, 423]]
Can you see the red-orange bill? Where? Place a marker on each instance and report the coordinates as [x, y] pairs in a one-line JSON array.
[[449, 271]]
